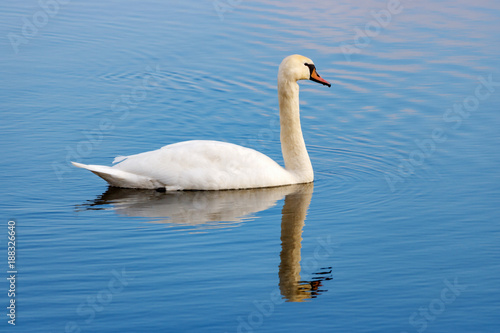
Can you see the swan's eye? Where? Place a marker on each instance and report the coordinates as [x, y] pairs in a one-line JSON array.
[[311, 67]]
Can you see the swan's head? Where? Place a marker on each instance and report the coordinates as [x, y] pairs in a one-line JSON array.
[[297, 67]]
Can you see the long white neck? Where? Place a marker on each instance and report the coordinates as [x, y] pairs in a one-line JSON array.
[[293, 146]]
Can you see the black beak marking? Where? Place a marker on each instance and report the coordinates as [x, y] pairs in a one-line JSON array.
[[312, 70]]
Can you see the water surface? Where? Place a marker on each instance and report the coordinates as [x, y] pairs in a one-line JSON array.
[[398, 233]]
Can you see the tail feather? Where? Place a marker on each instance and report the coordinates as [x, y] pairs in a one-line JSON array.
[[120, 178]]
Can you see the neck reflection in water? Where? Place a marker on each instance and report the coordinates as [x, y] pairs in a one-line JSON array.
[[220, 209], [293, 218]]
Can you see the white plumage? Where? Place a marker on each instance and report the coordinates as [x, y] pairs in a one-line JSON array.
[[214, 165]]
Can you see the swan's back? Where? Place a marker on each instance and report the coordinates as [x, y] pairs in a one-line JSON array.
[[202, 165]]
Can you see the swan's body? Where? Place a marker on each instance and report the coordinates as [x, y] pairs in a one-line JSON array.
[[213, 165], [196, 165]]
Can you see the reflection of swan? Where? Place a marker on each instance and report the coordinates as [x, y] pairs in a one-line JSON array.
[[215, 209], [190, 207], [212, 165], [294, 213]]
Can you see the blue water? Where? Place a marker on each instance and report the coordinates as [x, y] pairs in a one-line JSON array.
[[399, 232]]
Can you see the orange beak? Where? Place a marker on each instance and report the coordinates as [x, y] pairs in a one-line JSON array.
[[317, 78]]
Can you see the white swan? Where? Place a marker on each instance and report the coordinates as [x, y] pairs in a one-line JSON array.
[[213, 165]]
